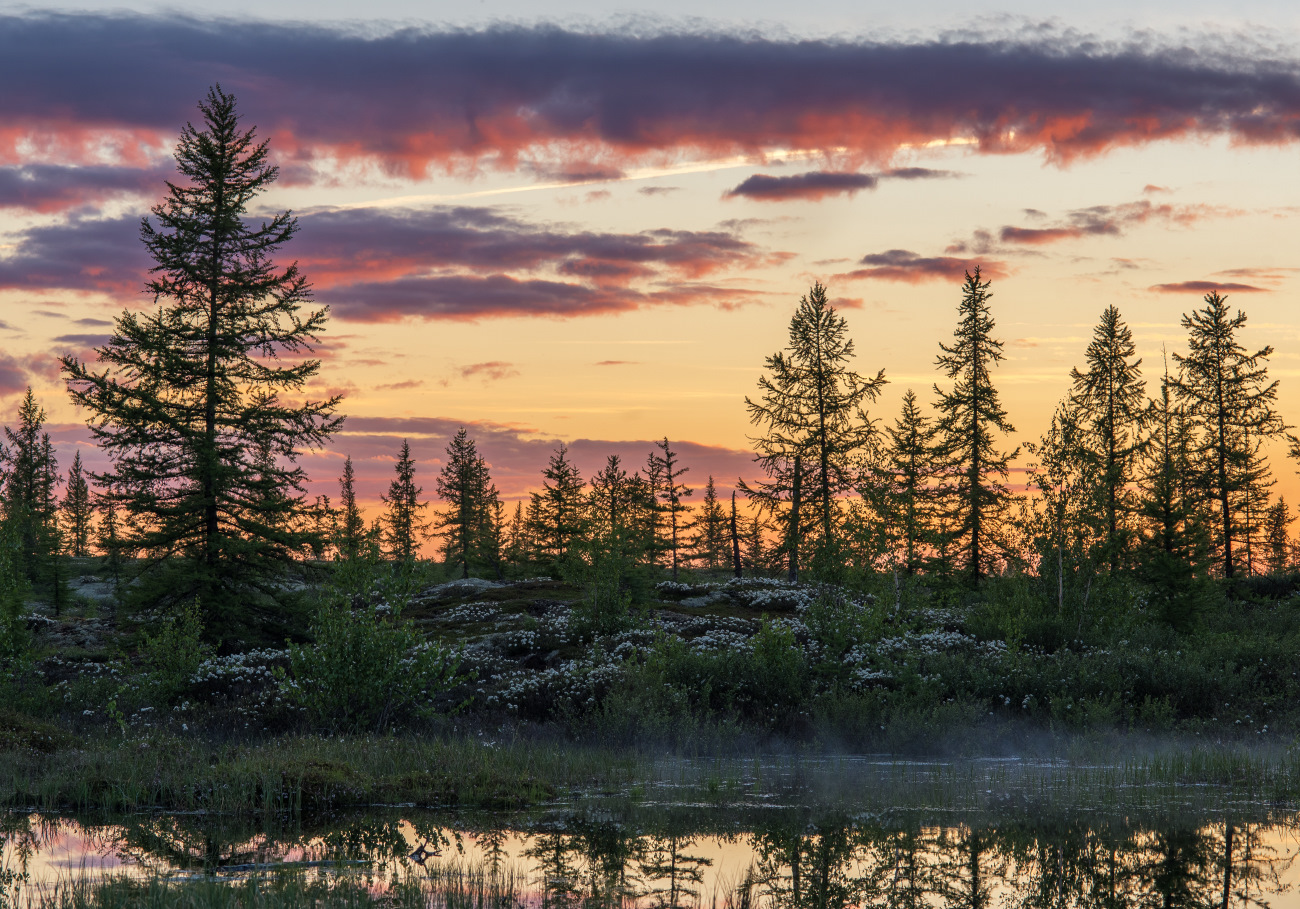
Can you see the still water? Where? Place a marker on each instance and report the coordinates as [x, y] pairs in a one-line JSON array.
[[676, 857]]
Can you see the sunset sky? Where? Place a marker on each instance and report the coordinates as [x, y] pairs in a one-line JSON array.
[[579, 222]]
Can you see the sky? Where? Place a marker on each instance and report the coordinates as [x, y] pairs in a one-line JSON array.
[[585, 223]]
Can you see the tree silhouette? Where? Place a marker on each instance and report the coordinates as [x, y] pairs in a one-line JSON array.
[[192, 392], [974, 492], [404, 528], [1109, 402], [1226, 389], [810, 408], [77, 512]]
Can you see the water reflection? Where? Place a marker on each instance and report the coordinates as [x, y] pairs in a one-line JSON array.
[[685, 860]]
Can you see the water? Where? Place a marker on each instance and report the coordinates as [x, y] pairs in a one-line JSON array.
[[755, 857]]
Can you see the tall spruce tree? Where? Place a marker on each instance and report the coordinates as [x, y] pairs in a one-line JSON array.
[[193, 391], [667, 471], [1173, 555], [1108, 401], [77, 512], [351, 525], [1226, 389], [905, 491], [403, 525], [974, 492], [815, 428], [468, 524]]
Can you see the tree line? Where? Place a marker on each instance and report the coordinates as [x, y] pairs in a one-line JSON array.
[[202, 409]]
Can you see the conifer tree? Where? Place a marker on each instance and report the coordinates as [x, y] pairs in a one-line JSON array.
[[1174, 551], [1226, 389], [622, 530], [30, 483], [906, 489], [755, 555], [811, 409], [110, 537], [77, 510], [558, 518], [468, 524], [516, 542], [1108, 400], [974, 492], [711, 543], [1278, 536], [668, 471], [192, 392], [403, 527], [351, 526]]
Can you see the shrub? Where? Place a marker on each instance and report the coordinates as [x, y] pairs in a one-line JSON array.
[[367, 668]]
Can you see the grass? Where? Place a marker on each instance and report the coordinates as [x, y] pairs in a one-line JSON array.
[[303, 774]]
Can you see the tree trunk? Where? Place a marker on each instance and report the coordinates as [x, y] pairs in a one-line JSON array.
[[735, 536], [793, 533]]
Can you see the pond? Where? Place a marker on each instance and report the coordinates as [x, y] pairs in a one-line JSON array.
[[663, 855]]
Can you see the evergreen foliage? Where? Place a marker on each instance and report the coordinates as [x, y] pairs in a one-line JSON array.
[[351, 526], [815, 428], [30, 491], [711, 545], [192, 405], [77, 512], [557, 520], [470, 524], [1109, 403], [665, 471], [1226, 390], [402, 527], [905, 487], [974, 494]]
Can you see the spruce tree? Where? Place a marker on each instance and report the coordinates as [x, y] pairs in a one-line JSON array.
[[906, 488], [1108, 400], [77, 510], [402, 526], [468, 524], [1173, 555], [1278, 536], [29, 496], [711, 544], [351, 525], [558, 514], [811, 411], [974, 492], [1226, 389], [190, 393], [667, 470]]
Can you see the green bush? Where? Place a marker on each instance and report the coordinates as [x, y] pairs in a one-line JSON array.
[[173, 656], [366, 669]]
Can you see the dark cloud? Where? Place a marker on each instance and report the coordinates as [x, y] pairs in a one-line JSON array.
[[617, 363], [1105, 220], [912, 268], [919, 173], [413, 98], [343, 246], [381, 263], [83, 254], [471, 297], [1205, 287], [812, 185], [48, 188], [658, 190]]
